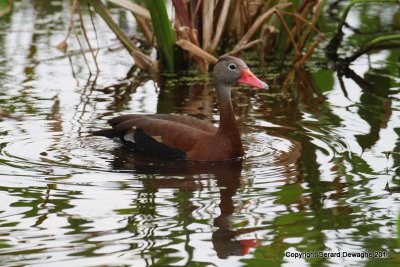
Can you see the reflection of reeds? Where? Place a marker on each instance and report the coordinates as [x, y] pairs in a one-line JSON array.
[[388, 41], [342, 63], [207, 28], [5, 7]]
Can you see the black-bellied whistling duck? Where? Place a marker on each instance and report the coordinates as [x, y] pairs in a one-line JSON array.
[[185, 137]]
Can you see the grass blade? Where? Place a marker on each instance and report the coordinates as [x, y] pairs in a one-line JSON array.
[[162, 30], [143, 61]]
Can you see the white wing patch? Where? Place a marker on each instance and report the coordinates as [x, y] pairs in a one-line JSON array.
[[158, 138], [129, 137]]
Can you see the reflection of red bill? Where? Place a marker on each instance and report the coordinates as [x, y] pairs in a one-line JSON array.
[[249, 78], [247, 244]]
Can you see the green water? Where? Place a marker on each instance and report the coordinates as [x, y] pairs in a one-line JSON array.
[[319, 154]]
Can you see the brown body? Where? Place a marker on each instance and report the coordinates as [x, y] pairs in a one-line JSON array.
[[186, 136]]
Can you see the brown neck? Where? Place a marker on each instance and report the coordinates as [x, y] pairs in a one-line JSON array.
[[227, 124]]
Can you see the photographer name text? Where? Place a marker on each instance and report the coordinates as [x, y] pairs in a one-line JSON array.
[[340, 254]]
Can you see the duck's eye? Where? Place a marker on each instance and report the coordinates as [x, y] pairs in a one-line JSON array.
[[232, 66]]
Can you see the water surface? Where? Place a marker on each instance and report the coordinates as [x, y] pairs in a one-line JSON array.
[[318, 158]]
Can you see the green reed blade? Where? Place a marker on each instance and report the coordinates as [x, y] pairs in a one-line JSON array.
[[163, 32]]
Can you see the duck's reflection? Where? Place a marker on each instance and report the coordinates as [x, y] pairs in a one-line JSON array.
[[224, 239], [227, 175]]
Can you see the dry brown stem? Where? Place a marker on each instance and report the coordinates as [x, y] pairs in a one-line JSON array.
[[134, 8], [196, 51]]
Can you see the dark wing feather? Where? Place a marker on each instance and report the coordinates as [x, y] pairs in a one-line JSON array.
[[170, 133], [148, 145]]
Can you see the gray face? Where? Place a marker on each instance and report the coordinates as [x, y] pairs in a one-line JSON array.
[[228, 70]]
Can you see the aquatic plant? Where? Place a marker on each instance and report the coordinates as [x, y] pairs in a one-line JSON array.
[[205, 29], [162, 31]]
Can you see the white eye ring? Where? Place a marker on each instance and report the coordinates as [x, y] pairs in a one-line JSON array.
[[232, 66]]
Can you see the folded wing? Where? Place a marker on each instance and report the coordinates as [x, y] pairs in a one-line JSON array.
[[165, 135]]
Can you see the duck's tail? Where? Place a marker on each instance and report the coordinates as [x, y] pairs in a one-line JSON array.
[[110, 133]]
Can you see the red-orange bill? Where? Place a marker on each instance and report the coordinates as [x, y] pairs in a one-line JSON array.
[[249, 78], [247, 244]]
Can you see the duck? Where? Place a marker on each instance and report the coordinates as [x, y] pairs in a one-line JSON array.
[[183, 137]]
